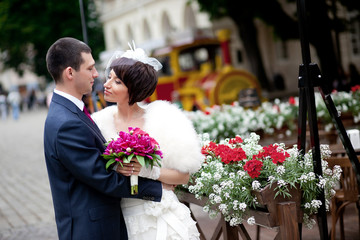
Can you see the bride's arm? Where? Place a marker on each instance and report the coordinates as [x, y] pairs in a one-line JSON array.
[[172, 176], [165, 175]]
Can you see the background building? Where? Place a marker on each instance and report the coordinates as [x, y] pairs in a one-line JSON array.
[[155, 23]]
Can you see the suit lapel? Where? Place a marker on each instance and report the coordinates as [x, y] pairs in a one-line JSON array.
[[73, 108], [91, 125]]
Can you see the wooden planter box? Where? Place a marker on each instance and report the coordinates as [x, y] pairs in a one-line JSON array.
[[281, 213], [267, 213]]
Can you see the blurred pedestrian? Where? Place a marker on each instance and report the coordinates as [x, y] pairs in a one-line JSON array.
[[14, 99], [3, 105], [32, 99]]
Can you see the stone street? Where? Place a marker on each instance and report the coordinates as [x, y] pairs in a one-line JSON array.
[[26, 210]]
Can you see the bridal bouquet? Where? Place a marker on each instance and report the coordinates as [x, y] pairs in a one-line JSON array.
[[136, 143], [234, 168]]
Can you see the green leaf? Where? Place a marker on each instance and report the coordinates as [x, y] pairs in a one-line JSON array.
[[107, 157], [141, 160], [128, 158], [120, 154], [109, 163]]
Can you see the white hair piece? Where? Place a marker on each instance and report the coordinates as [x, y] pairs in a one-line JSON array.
[[137, 54]]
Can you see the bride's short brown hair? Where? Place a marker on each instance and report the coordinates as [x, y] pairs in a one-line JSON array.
[[140, 78]]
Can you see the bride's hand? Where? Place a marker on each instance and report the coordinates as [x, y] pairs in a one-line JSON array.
[[128, 169]]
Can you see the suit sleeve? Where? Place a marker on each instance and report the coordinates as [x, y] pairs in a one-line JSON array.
[[79, 151]]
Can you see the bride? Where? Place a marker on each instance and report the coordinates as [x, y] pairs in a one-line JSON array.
[[131, 79]]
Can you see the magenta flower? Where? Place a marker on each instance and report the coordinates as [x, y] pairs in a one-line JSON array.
[[137, 143]]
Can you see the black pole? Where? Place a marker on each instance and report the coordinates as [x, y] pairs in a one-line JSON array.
[[83, 22], [307, 107]]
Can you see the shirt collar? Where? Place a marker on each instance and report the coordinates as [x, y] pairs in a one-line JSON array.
[[80, 104]]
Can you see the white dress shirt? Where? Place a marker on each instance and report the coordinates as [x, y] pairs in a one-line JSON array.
[[80, 104]]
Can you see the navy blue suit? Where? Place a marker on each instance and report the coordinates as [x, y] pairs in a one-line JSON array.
[[86, 197]]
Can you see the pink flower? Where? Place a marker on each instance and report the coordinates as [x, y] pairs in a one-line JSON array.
[[135, 143]]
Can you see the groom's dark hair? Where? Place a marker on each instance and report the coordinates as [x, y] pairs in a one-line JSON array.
[[65, 52]]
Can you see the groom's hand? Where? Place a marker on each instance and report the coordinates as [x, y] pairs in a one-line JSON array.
[[128, 169], [168, 186]]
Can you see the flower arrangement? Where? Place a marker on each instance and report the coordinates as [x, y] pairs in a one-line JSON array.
[[137, 143], [345, 102], [236, 167], [228, 120]]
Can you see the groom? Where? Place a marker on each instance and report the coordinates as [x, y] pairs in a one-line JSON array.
[[86, 197]]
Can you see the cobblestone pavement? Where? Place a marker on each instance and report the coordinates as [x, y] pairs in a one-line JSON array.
[[26, 210]]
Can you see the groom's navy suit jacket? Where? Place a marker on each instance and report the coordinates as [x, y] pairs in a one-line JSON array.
[[86, 197]]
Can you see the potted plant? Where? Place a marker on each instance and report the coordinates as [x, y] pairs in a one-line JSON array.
[[235, 171]]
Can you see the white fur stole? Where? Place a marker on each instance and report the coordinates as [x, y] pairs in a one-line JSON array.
[[169, 126]]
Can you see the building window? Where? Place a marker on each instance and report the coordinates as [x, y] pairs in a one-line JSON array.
[[165, 24], [355, 35], [239, 56], [116, 37], [130, 33], [146, 31], [282, 51]]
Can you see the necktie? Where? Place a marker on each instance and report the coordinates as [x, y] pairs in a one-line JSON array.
[[87, 113]]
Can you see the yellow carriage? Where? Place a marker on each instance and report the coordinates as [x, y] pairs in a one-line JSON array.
[[199, 73]]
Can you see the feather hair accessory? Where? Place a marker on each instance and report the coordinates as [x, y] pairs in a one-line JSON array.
[[137, 54]]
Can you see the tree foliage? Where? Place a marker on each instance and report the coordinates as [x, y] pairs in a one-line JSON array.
[[29, 27], [285, 26]]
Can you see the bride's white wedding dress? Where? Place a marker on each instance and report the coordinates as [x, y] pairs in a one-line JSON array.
[[168, 219]]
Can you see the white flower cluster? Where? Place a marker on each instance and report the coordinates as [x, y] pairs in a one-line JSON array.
[[228, 120], [220, 122]]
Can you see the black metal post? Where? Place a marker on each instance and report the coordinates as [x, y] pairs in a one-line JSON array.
[[307, 107], [83, 22]]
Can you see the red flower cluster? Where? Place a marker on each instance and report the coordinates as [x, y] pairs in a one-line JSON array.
[[355, 88], [226, 153], [236, 140], [272, 152], [233, 155], [292, 101], [253, 167], [208, 148]]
